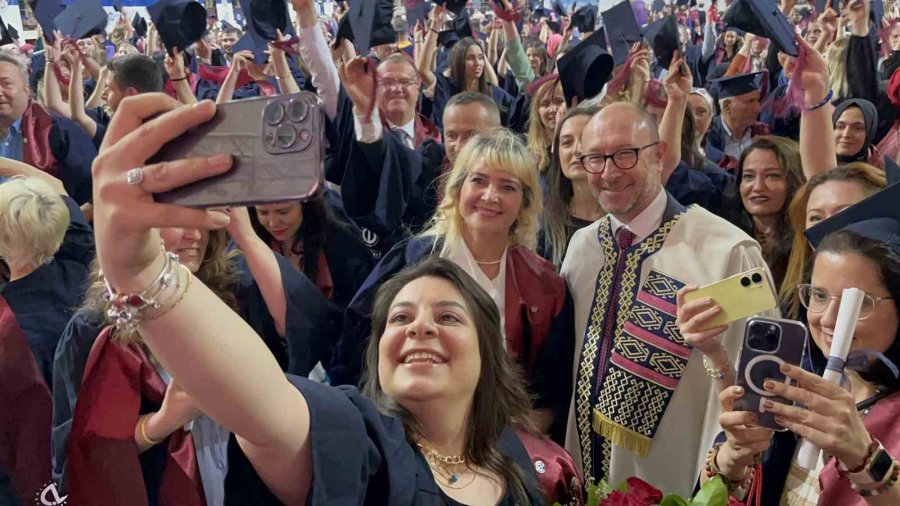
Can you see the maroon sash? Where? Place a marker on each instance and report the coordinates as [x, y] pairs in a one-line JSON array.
[[218, 75], [103, 465], [555, 469], [36, 125], [25, 412]]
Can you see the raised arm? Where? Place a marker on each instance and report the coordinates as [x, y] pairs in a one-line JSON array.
[[678, 87], [51, 87], [816, 130], [425, 64], [180, 77], [314, 51], [210, 351], [76, 92], [96, 98], [516, 57]]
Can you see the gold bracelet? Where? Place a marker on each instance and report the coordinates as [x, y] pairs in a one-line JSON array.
[[142, 427], [717, 374], [177, 301]]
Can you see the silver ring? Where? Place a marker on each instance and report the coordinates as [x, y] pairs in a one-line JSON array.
[[135, 176]]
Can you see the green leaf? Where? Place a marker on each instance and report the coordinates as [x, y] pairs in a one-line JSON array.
[[623, 487], [674, 500], [712, 493]]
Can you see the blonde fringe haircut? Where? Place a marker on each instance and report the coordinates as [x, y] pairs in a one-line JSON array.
[[539, 139], [869, 178], [501, 150], [33, 221], [217, 271], [836, 59]]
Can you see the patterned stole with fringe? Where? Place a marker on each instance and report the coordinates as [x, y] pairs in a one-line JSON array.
[[632, 356]]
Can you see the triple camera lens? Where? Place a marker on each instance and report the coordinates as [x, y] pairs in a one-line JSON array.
[[286, 135]]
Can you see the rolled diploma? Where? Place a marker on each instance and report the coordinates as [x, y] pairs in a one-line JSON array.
[[848, 315]]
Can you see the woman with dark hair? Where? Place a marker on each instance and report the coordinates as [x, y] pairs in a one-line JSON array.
[[538, 59], [330, 253], [468, 71], [136, 426], [571, 204], [855, 128], [857, 428], [439, 432], [768, 173]]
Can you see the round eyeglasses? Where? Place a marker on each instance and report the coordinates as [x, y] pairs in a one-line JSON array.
[[624, 159], [816, 299]]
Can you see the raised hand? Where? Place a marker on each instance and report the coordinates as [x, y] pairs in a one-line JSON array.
[[359, 84], [693, 320], [174, 64], [744, 441], [678, 80]]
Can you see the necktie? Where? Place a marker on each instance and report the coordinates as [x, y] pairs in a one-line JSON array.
[[404, 136], [624, 237]]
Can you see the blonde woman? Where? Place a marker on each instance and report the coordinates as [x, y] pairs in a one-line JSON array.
[[545, 104], [487, 223]]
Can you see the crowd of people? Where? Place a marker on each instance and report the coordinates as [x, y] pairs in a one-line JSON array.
[[487, 298]]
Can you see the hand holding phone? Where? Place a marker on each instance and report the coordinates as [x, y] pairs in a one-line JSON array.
[[738, 296]]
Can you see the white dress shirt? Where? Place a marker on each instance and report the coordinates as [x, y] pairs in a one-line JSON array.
[[646, 222]]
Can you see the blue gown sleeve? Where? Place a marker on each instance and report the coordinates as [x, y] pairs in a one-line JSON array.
[[74, 153], [78, 243], [340, 137], [551, 376], [359, 456], [694, 187]]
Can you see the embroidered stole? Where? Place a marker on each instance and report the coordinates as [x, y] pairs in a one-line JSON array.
[[633, 354]]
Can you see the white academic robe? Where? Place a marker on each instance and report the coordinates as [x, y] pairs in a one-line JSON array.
[[700, 249]]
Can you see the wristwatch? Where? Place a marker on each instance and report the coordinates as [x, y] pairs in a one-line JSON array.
[[876, 469]]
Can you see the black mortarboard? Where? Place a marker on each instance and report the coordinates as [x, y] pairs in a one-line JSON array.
[[554, 26], [117, 5], [139, 24], [5, 34], [180, 23], [264, 17], [735, 86], [459, 28], [585, 68], [36, 71], [621, 29], [541, 12], [559, 9], [371, 23], [681, 3], [658, 5], [454, 6], [45, 12], [879, 205], [226, 25], [765, 19], [585, 18], [13, 32], [662, 35], [252, 42], [834, 4], [81, 19]]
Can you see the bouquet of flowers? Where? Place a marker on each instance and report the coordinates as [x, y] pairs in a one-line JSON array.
[[637, 492]]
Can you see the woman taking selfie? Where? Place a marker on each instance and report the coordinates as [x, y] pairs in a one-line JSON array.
[[438, 372]]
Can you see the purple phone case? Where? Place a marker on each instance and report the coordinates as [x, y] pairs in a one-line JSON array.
[[757, 366], [278, 156]]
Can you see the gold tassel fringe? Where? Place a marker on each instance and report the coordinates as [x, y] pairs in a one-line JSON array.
[[621, 436]]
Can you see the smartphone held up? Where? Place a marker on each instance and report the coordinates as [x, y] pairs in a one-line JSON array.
[[277, 146]]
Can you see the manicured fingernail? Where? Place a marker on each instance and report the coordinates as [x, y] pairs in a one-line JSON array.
[[738, 390], [779, 420], [203, 104], [785, 368], [768, 404], [769, 385], [219, 159], [221, 219]]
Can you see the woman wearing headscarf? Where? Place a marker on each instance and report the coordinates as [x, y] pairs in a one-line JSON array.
[[855, 125]]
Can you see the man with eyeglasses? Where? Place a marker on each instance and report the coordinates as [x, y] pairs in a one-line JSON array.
[[644, 403]]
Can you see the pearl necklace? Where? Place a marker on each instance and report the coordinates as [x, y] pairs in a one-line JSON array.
[[495, 262]]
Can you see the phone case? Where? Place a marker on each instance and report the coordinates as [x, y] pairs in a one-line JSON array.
[[277, 147], [756, 366], [742, 295]]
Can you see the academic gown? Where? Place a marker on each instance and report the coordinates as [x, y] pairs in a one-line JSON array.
[[311, 320], [709, 186], [98, 114], [68, 144], [445, 88], [715, 142], [538, 321], [379, 466], [33, 312], [390, 190]]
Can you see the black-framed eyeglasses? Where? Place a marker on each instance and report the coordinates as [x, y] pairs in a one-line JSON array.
[[816, 299], [624, 159]]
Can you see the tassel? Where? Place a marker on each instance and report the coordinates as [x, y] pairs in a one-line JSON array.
[[793, 96], [615, 85], [512, 15], [621, 436]]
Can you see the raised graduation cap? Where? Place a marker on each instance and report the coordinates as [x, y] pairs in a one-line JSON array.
[[459, 28], [251, 41], [180, 23], [586, 68], [81, 19], [735, 86], [554, 26], [370, 22], [585, 18], [662, 35], [139, 24], [117, 5], [621, 29], [765, 19], [658, 5], [559, 9], [541, 12], [226, 25], [876, 11], [454, 6], [834, 4], [264, 17], [45, 11], [879, 205], [6, 36]]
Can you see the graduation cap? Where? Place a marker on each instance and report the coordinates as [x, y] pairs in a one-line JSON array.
[[13, 32], [541, 12], [882, 204], [180, 23], [622, 30], [370, 23], [765, 19], [5, 35], [559, 9], [658, 5], [585, 18], [226, 25], [554, 26], [81, 19], [45, 11], [139, 24], [252, 42], [117, 5], [264, 17], [454, 6], [586, 68], [663, 38], [460, 28], [735, 86]]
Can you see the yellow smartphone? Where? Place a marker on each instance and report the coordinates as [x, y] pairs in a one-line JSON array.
[[742, 295]]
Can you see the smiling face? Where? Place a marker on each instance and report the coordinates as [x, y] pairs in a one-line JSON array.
[[474, 62], [188, 243], [429, 348], [742, 111], [850, 132], [702, 114], [895, 38], [489, 201], [13, 93], [536, 59], [730, 38], [397, 91], [461, 122], [836, 271], [281, 220], [569, 147], [830, 198], [549, 106], [763, 184]]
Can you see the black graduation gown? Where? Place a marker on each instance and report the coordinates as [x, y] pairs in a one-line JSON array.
[[349, 261], [690, 186], [788, 124], [98, 114], [390, 190], [311, 321], [44, 300], [361, 456], [74, 153], [445, 88]]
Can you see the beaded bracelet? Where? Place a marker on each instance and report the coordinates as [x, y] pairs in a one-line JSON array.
[[881, 487], [826, 100], [126, 309], [737, 488], [715, 373]]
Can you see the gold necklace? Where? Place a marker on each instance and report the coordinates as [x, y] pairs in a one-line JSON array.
[[441, 463]]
